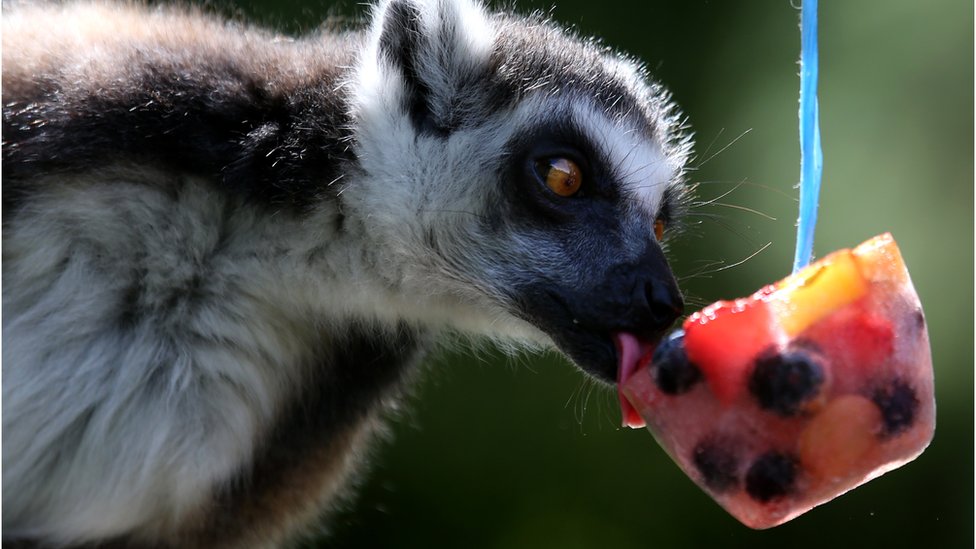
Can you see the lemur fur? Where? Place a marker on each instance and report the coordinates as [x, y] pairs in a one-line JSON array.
[[225, 251]]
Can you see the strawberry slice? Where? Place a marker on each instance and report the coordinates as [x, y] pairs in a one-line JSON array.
[[724, 339], [856, 339]]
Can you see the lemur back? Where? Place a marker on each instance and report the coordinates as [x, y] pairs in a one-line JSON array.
[[225, 251]]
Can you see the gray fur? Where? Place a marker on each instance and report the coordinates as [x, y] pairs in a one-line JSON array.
[[224, 252]]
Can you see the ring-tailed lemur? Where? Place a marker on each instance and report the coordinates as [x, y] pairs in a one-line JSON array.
[[225, 250]]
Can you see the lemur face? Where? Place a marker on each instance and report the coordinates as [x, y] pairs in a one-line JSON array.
[[539, 171], [587, 205]]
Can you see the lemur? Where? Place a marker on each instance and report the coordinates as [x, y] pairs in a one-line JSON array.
[[226, 251]]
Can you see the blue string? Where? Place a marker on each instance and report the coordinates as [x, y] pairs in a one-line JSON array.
[[811, 157]]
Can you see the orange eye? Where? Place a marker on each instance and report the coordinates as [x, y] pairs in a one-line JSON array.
[[563, 176], [659, 229]]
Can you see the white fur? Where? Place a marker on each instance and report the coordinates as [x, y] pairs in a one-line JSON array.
[[638, 163], [206, 405], [66, 272], [379, 87]]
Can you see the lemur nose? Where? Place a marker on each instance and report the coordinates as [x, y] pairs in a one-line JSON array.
[[665, 303]]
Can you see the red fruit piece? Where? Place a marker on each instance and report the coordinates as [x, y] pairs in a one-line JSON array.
[[856, 339], [724, 338]]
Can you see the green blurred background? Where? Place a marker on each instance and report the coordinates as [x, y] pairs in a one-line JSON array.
[[498, 452]]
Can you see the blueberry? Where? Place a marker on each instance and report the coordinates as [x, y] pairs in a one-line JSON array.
[[674, 374], [782, 382], [898, 404], [771, 476], [717, 463]]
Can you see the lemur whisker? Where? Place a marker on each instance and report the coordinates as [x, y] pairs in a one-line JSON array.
[[578, 396], [571, 399], [698, 204], [695, 303], [700, 270], [775, 190], [723, 149], [588, 389], [724, 222], [742, 208], [740, 262], [710, 144]]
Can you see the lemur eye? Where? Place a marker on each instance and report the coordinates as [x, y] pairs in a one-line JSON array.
[[659, 229], [561, 175]]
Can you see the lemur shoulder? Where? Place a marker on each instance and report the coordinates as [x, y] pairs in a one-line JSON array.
[[225, 251]]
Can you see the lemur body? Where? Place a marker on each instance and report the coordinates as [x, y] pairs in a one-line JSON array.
[[225, 251]]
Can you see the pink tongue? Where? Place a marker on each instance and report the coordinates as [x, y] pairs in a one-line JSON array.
[[629, 351]]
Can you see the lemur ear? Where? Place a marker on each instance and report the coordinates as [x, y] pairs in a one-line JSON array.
[[431, 48]]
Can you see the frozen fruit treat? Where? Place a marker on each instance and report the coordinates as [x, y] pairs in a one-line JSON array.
[[783, 400]]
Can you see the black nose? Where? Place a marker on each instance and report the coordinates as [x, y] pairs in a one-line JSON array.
[[664, 302], [656, 304], [655, 299]]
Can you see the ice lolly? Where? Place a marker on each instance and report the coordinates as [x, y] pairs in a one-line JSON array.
[[783, 400]]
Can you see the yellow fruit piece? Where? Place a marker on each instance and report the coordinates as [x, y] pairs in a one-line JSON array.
[[816, 291], [880, 260], [839, 436]]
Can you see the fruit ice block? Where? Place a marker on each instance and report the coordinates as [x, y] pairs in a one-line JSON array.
[[783, 400]]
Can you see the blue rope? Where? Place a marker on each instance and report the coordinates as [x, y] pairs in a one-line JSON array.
[[811, 157]]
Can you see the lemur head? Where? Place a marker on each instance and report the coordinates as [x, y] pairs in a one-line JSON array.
[[521, 173]]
